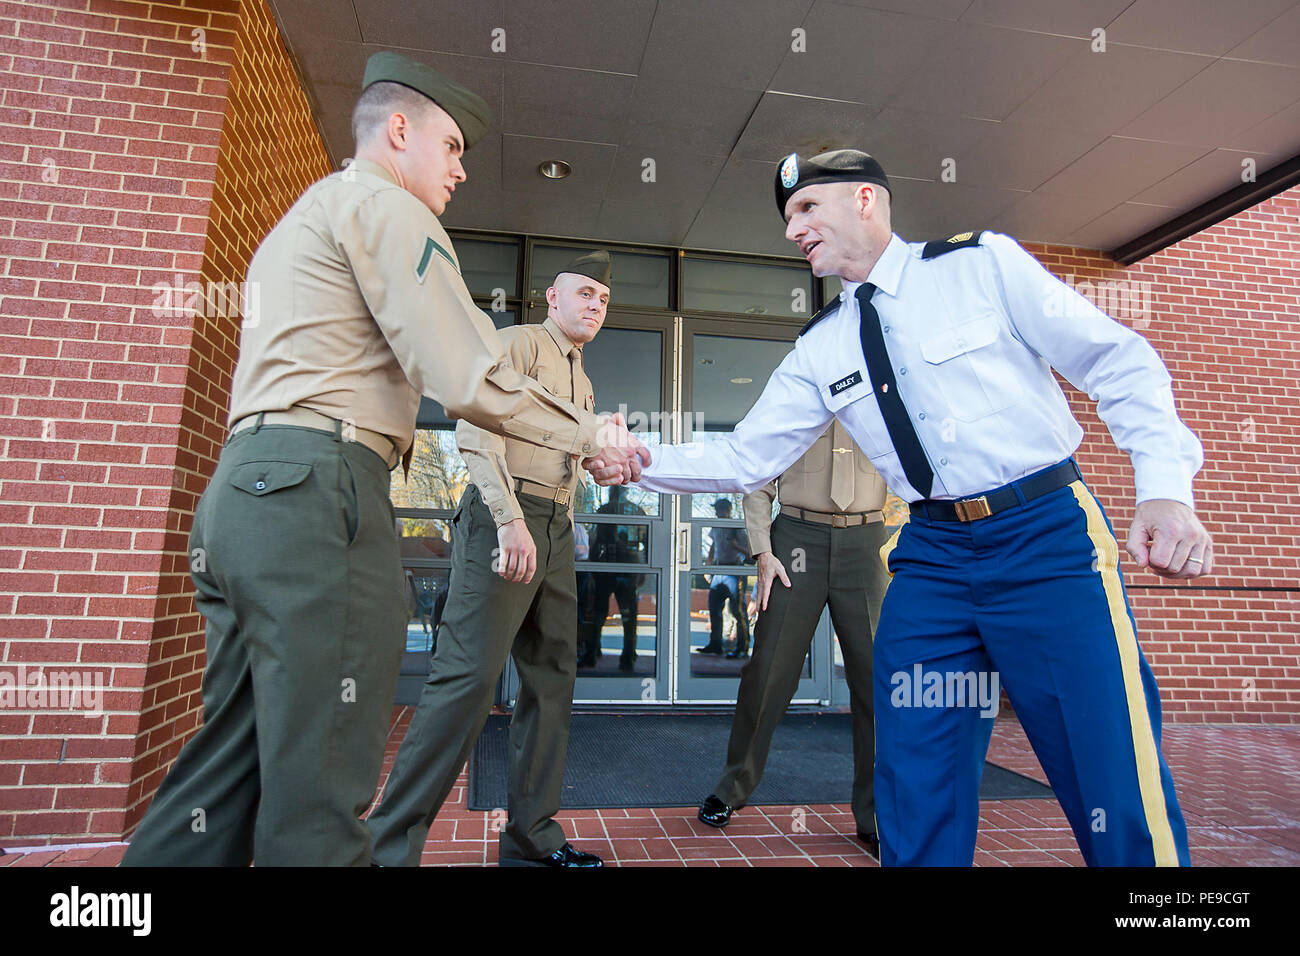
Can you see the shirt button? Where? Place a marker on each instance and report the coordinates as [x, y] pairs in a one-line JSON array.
[[586, 449], [260, 486], [886, 328], [921, 416], [943, 461], [546, 437], [902, 371]]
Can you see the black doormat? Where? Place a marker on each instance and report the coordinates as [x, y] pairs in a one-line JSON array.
[[673, 760]]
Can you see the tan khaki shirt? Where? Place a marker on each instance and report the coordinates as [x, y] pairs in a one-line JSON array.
[[545, 353], [807, 484], [361, 309]]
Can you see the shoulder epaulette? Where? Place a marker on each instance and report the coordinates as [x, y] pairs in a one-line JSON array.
[[963, 240], [826, 310]]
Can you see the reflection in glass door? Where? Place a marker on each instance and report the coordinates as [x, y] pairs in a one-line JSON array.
[[724, 366], [622, 536]]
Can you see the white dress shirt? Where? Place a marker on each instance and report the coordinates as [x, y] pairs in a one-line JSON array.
[[973, 335]]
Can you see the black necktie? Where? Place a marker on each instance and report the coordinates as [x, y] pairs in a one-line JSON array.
[[901, 432]]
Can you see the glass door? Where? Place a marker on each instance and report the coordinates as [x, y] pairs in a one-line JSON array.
[[623, 536], [723, 368]]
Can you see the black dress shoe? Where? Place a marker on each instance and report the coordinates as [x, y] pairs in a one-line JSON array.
[[627, 664], [565, 857], [872, 843], [714, 812], [710, 649]]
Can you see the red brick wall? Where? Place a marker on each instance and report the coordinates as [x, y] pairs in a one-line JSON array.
[[1224, 314], [270, 152], [116, 176]]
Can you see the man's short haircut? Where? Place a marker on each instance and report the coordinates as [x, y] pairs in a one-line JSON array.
[[380, 101]]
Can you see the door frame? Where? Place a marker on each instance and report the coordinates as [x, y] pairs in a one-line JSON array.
[[687, 689]]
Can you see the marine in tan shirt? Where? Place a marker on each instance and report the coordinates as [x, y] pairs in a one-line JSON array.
[[512, 593], [828, 534], [497, 464], [294, 552], [363, 310]]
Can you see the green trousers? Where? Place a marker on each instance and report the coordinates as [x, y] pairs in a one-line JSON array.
[[840, 567], [295, 558], [486, 619]]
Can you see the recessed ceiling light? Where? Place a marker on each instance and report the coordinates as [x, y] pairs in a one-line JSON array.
[[756, 310], [741, 381], [706, 361], [555, 169]]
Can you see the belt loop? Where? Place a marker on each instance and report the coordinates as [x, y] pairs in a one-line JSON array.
[[338, 430], [1020, 495], [257, 425]]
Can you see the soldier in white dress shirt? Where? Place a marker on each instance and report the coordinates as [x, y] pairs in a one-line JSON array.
[[938, 359]]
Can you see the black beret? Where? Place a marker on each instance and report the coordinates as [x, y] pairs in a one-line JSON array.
[[835, 166], [594, 265], [469, 110]]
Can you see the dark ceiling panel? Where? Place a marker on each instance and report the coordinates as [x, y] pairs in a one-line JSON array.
[[1223, 100], [926, 210], [1279, 134], [328, 18], [1077, 18], [574, 33], [1022, 155], [784, 123], [650, 223], [1114, 227], [1194, 26], [521, 155], [737, 42], [675, 177], [1278, 42], [566, 103], [679, 113], [984, 71], [464, 28], [1212, 174], [1104, 91], [933, 9], [859, 54], [917, 145], [1040, 217], [1119, 168]]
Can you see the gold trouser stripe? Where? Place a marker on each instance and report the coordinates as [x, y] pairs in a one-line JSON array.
[[1144, 744], [888, 547]]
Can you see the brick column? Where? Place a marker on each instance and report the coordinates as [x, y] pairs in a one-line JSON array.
[[123, 125]]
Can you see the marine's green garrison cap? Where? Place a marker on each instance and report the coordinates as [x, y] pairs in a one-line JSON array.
[[594, 265], [836, 166], [469, 110]]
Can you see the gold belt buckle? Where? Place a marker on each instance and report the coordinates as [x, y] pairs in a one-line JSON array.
[[561, 496], [839, 521], [972, 509]]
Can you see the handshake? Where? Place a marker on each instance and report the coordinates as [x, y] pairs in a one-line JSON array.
[[621, 456]]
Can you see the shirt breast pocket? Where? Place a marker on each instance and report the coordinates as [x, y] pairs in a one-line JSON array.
[[814, 459], [968, 363]]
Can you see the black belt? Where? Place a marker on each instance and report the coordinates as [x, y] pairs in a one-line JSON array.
[[1000, 499]]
